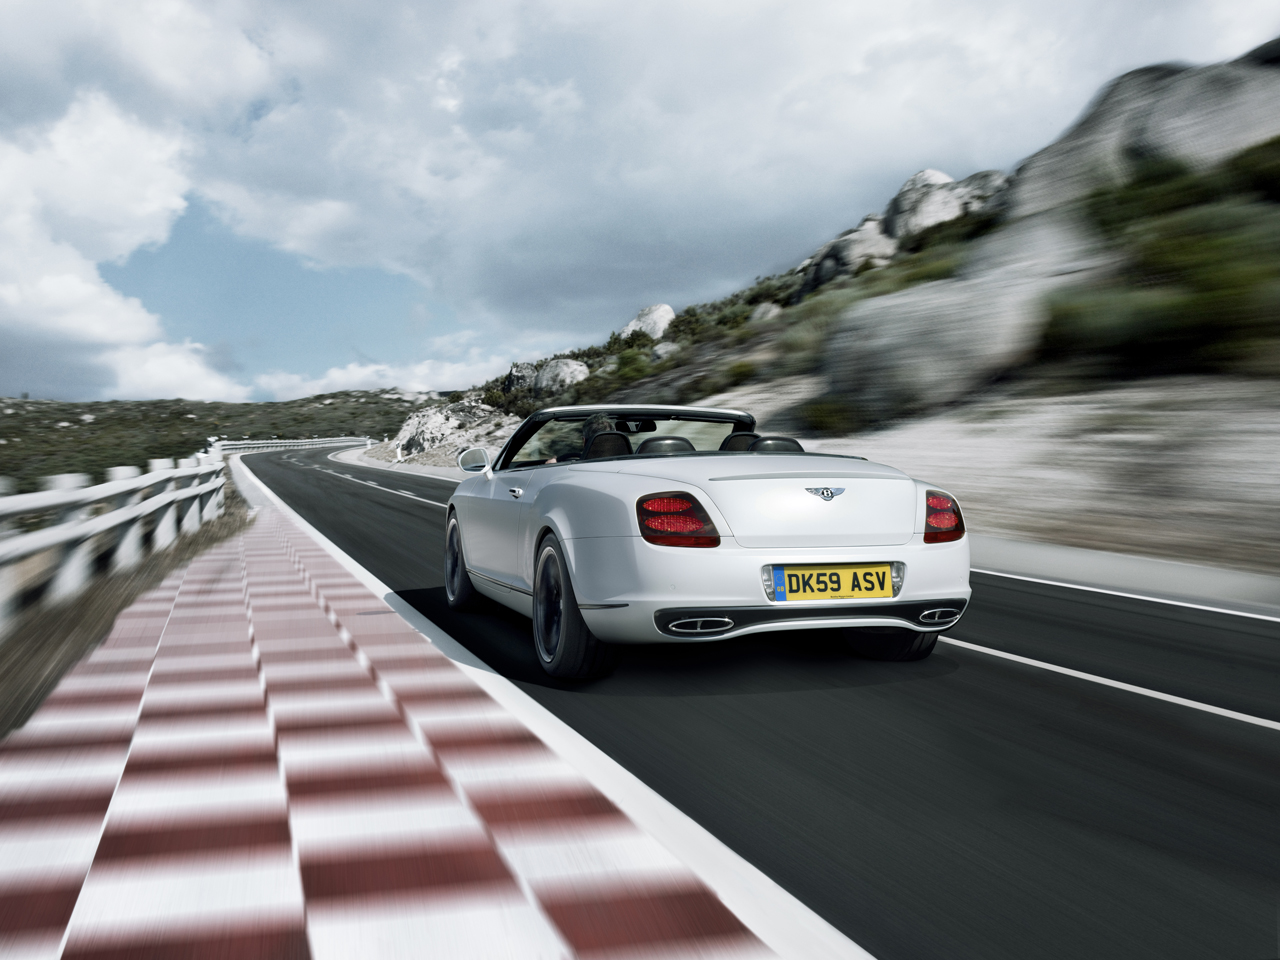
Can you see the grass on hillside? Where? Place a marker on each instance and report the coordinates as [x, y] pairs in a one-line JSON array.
[[43, 437], [1200, 290]]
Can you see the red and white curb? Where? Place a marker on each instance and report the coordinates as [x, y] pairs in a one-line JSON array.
[[263, 760]]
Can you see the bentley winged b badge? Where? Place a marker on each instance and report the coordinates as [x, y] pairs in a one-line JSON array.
[[826, 493]]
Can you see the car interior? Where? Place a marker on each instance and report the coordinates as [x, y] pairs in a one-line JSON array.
[[562, 441]]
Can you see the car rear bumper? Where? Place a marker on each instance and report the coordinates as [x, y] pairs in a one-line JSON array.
[[631, 591], [712, 623]]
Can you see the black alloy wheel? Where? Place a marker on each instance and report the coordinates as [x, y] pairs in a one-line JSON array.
[[565, 645], [458, 588]]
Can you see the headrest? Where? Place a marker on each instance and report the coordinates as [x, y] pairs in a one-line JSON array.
[[666, 445], [775, 445], [608, 443], [739, 441]]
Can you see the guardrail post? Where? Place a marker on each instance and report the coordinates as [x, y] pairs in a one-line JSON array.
[[67, 481], [73, 571], [7, 591], [8, 582], [128, 552], [165, 530], [76, 559], [189, 511], [213, 501]]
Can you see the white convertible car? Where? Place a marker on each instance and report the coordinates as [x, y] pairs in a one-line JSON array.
[[664, 524]]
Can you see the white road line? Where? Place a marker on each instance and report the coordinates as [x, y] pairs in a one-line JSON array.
[[1128, 687], [1130, 596], [370, 483], [782, 922]]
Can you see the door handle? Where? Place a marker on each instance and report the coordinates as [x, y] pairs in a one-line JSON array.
[[516, 492]]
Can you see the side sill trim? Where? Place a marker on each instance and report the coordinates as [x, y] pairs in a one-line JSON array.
[[499, 583]]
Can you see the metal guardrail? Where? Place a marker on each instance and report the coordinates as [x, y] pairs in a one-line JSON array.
[[226, 448], [105, 528], [54, 542]]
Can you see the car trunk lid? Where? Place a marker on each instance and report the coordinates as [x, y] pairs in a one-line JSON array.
[[816, 509]]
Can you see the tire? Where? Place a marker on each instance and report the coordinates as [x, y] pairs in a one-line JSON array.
[[564, 643], [458, 588], [892, 643]]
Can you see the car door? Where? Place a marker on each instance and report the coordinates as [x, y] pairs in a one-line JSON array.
[[491, 520], [530, 522]]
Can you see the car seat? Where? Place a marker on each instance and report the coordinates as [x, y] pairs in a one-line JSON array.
[[608, 443], [666, 445], [775, 445], [739, 441]]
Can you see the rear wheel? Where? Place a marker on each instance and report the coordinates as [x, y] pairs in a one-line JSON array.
[[458, 588], [565, 645], [891, 643]]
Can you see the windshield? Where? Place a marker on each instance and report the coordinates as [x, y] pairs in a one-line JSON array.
[[562, 440]]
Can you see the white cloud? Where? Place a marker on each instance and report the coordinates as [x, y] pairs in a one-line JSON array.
[[94, 185], [426, 375], [106, 184], [544, 167], [170, 370]]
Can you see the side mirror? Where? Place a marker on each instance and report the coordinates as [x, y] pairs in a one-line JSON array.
[[475, 460]]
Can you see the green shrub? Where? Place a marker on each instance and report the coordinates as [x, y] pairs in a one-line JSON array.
[[129, 432], [1158, 187], [1199, 288], [740, 372], [831, 415], [1258, 169], [964, 229], [632, 365]]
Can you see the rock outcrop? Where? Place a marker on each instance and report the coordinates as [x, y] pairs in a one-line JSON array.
[[931, 197], [933, 343], [867, 243], [662, 351], [555, 375], [764, 312], [651, 320], [453, 428], [521, 376], [928, 198], [929, 345], [1199, 115]]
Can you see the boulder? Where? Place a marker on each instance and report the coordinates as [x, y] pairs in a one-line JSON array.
[[931, 197], [558, 374], [764, 312], [434, 426], [1199, 115], [663, 350], [931, 344], [651, 320], [520, 376], [903, 353], [847, 253]]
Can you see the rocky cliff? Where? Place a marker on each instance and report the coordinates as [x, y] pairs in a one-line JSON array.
[[935, 342], [954, 281]]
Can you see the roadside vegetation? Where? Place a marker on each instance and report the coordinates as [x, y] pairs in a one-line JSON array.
[[43, 437], [1200, 288], [1199, 293]]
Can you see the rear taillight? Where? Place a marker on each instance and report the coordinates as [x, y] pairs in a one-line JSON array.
[[942, 519], [675, 520]]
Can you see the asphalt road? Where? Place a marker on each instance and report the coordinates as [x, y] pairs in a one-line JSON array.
[[960, 807]]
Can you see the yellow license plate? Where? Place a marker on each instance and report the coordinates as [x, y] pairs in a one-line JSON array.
[[832, 582]]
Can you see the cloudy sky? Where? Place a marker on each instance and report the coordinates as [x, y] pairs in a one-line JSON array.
[[259, 200]]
